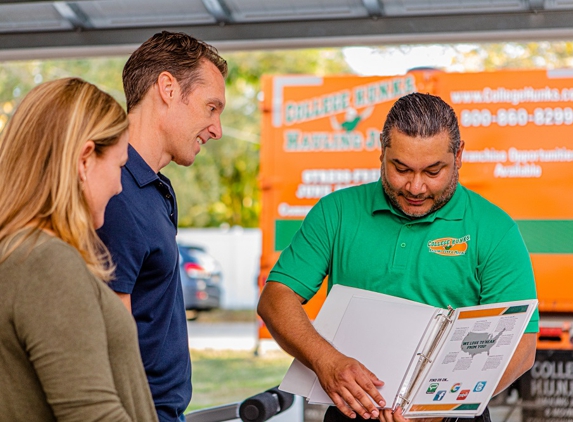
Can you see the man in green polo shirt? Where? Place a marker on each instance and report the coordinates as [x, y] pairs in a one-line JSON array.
[[416, 234]]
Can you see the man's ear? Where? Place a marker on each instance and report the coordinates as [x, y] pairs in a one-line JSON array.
[[382, 153], [167, 85], [459, 154], [86, 155]]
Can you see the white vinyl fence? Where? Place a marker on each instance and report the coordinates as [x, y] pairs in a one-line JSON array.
[[238, 250]]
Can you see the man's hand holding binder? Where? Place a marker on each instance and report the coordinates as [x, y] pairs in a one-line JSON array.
[[349, 383]]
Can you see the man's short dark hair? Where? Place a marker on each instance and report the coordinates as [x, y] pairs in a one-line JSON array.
[[422, 115], [174, 52]]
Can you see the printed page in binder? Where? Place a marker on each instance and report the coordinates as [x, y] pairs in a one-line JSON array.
[[474, 355]]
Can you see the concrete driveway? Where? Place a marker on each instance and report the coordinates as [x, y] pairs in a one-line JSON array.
[[222, 335]]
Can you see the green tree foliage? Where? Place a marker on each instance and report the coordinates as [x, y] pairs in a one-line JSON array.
[[17, 78]]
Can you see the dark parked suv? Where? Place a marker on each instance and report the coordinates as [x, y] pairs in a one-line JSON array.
[[201, 280]]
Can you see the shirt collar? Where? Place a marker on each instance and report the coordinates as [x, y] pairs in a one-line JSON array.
[[139, 169], [453, 210]]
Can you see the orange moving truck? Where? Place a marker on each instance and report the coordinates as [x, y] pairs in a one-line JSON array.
[[320, 134]]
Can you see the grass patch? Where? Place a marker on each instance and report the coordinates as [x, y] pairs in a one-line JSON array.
[[223, 377]]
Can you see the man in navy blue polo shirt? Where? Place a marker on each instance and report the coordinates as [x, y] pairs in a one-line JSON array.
[[175, 91]]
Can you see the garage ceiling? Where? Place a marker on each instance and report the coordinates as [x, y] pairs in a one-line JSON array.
[[41, 29]]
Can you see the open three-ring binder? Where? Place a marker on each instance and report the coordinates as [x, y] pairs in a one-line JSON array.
[[434, 362]]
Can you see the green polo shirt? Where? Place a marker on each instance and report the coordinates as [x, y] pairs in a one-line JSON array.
[[468, 252]]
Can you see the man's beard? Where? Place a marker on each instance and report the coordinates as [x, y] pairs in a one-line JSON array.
[[438, 202]]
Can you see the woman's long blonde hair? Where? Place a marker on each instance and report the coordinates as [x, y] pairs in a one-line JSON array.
[[39, 154]]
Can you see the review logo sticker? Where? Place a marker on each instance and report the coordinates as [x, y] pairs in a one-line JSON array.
[[432, 388]]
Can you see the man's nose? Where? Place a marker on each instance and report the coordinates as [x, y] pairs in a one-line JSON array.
[[417, 185], [215, 130]]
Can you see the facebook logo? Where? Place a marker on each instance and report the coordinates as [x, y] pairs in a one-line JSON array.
[[479, 386], [439, 395]]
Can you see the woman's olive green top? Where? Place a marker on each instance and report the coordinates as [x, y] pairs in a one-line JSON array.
[[69, 349]]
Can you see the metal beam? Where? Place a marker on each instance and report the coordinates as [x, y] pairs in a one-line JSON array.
[[73, 14], [374, 7], [521, 26], [219, 10], [536, 5]]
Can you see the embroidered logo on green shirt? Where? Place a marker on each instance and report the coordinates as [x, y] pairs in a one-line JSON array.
[[449, 246]]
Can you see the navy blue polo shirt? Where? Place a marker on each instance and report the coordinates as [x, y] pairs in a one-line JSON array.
[[139, 230]]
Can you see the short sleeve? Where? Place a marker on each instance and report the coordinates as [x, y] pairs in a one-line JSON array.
[[122, 236], [305, 263]]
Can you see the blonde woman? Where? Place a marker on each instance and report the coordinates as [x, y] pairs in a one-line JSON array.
[[69, 348]]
